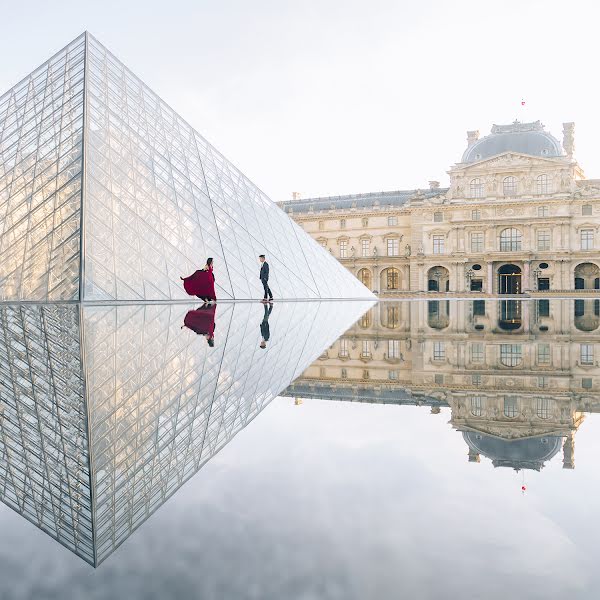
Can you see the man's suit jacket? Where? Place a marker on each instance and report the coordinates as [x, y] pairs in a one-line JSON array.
[[264, 271]]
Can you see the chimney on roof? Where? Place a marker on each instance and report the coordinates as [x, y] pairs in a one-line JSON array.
[[434, 185], [295, 195], [569, 138], [472, 137]]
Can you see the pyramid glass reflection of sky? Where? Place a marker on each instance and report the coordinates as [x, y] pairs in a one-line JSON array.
[[107, 410], [106, 193]]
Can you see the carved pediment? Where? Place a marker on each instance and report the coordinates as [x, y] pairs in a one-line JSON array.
[[509, 159]]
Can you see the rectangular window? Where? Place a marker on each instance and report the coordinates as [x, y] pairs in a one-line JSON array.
[[439, 350], [322, 372], [587, 383], [438, 379], [476, 215], [587, 239], [543, 211], [343, 224], [343, 353], [476, 406], [344, 373], [392, 221], [393, 375], [477, 353], [438, 217], [393, 247], [476, 285], [543, 354], [476, 379], [321, 225], [479, 307], [586, 210], [586, 354], [393, 348], [438, 244], [366, 349], [343, 249], [365, 247], [477, 241], [543, 239], [542, 381], [366, 374]]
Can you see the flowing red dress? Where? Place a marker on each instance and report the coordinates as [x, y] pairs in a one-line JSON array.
[[201, 284]]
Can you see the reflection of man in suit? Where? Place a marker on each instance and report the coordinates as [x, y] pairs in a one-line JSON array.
[[264, 326], [264, 277]]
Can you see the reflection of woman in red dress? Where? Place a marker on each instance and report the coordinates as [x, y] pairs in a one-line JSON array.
[[202, 321], [202, 283]]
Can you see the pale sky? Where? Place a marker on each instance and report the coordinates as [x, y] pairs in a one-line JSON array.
[[336, 97]]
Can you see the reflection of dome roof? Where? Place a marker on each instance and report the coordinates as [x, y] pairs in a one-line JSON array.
[[526, 138], [525, 453]]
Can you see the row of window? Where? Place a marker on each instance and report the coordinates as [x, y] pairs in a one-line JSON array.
[[511, 407], [393, 375], [543, 185], [392, 221], [511, 240]]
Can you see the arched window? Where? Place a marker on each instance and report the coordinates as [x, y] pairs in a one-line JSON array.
[[509, 186], [511, 355], [390, 316], [476, 188], [364, 275], [366, 320], [393, 279], [542, 184], [511, 408], [542, 408], [476, 406], [510, 240]]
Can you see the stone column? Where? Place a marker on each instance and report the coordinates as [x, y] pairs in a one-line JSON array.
[[569, 452], [490, 278], [526, 277]]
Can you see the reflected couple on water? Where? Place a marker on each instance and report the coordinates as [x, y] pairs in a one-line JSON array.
[[202, 322], [202, 282]]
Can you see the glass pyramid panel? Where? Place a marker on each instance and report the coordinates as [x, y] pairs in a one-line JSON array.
[[159, 200], [109, 410], [41, 125]]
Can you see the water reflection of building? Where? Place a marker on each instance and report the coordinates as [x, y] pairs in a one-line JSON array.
[[106, 411], [518, 215], [517, 375]]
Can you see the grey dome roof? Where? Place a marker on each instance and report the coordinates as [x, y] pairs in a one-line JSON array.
[[526, 138], [525, 453]]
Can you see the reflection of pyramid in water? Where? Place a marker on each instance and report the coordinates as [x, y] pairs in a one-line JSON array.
[[107, 411], [106, 193]]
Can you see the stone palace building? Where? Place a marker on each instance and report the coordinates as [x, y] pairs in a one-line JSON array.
[[519, 216]]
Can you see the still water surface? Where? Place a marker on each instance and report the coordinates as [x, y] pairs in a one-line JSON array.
[[393, 466]]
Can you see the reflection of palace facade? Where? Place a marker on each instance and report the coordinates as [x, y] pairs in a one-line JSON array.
[[518, 216], [517, 375]]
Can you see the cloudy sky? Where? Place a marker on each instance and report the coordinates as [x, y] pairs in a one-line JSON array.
[[326, 97]]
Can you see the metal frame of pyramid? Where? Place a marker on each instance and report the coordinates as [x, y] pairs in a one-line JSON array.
[[108, 410], [107, 194]]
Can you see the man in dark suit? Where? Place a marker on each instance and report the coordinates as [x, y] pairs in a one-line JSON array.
[[265, 330], [264, 277]]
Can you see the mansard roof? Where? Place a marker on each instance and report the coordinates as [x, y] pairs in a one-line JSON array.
[[358, 201]]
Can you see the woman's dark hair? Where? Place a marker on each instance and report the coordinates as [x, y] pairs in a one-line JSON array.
[[211, 342], [209, 261]]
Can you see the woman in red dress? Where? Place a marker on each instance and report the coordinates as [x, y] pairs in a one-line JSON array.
[[202, 283]]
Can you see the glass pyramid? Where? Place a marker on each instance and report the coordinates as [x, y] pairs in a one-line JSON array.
[[107, 410], [107, 194]]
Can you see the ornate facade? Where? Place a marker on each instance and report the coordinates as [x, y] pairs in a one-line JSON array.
[[510, 370], [519, 216]]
